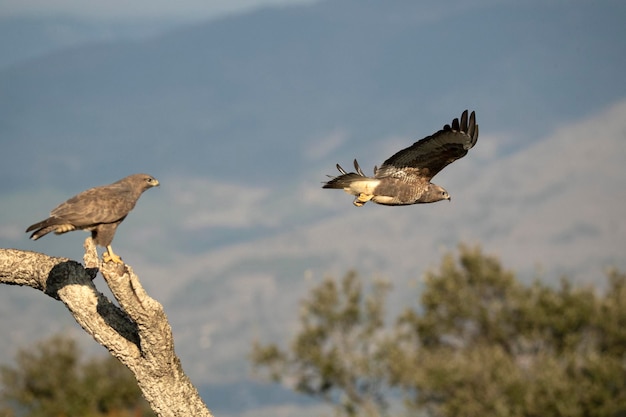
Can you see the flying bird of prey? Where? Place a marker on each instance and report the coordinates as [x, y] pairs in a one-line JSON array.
[[405, 177], [98, 210]]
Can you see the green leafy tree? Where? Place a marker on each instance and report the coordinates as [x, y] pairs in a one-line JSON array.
[[51, 379], [480, 343], [484, 344], [335, 356]]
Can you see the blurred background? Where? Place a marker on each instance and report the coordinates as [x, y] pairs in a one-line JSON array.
[[241, 108]]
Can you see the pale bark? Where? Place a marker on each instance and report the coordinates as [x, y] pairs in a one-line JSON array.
[[137, 332]]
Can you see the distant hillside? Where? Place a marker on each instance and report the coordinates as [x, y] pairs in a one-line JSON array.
[[252, 90], [24, 39]]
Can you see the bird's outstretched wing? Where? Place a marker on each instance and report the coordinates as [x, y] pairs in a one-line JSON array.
[[425, 158]]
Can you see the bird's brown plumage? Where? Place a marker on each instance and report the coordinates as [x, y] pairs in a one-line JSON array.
[[99, 210], [404, 178]]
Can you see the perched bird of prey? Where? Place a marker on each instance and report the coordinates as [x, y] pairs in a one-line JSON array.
[[405, 177], [98, 210]]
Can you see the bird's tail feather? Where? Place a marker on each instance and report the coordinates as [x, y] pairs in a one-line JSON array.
[[343, 181], [346, 178], [46, 226]]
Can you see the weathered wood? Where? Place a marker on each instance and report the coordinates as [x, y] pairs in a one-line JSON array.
[[137, 332]]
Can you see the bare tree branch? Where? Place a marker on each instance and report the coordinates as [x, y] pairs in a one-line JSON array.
[[137, 332]]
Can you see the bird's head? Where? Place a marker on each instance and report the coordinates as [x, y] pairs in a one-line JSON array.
[[140, 182], [436, 193], [151, 181]]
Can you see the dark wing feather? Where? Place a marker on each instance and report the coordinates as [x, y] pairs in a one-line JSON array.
[[105, 204], [425, 158]]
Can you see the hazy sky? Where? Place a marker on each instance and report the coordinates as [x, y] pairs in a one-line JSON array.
[[121, 9]]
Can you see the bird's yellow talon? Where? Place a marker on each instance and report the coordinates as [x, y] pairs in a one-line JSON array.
[[361, 199], [110, 256]]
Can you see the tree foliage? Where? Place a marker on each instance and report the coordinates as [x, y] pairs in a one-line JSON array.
[[479, 343], [52, 379], [484, 344], [337, 355]]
